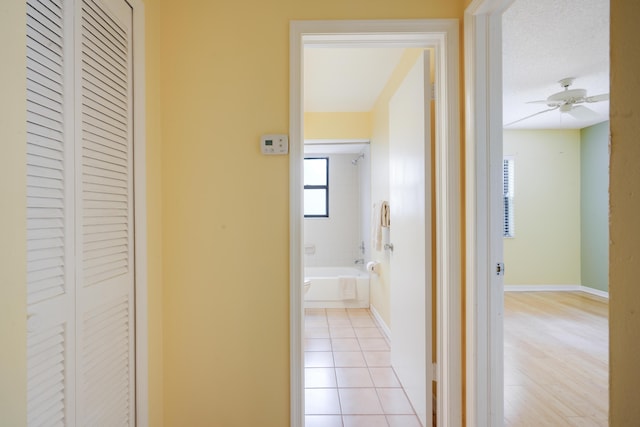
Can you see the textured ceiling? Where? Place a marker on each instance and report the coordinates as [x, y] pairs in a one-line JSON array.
[[545, 41]]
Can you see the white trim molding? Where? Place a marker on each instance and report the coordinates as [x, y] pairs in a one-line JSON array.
[[556, 288], [140, 215], [542, 288], [596, 292], [381, 323], [442, 35], [483, 198]]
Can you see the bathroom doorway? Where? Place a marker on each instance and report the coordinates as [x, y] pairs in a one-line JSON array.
[[441, 36]]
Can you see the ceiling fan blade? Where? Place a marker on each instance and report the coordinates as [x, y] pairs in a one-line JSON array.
[[583, 113], [597, 98], [550, 103], [530, 116]]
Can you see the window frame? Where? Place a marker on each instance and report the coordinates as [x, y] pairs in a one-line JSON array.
[[319, 187]]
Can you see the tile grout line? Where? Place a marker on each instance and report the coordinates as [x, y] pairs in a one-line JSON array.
[[367, 366]]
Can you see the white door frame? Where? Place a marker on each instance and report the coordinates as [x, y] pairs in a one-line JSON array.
[[442, 35], [483, 152], [140, 216]]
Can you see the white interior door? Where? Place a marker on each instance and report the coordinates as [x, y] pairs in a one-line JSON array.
[[410, 234], [80, 213]]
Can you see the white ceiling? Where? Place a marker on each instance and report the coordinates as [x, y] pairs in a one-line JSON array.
[[543, 41], [346, 79]]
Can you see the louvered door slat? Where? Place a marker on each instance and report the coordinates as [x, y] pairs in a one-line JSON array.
[[98, 253], [97, 121], [109, 29], [107, 114], [102, 244], [43, 28], [49, 141], [46, 376], [101, 53], [95, 41], [107, 228], [96, 155], [53, 106], [46, 243], [108, 189], [46, 58], [113, 148], [97, 92], [104, 76], [53, 7], [45, 264], [106, 364], [38, 199], [42, 66], [46, 290]]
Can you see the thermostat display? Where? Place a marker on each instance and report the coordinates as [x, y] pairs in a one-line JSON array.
[[274, 144]]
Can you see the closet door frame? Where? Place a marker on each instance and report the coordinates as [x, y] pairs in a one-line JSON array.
[[140, 215]]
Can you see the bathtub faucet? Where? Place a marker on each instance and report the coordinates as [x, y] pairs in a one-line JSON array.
[[359, 261]]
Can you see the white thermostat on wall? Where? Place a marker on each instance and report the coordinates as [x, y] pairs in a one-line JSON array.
[[274, 144]]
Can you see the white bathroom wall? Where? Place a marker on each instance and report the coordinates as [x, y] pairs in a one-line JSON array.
[[336, 238], [364, 169]]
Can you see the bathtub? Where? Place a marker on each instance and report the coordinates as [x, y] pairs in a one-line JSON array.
[[325, 291]]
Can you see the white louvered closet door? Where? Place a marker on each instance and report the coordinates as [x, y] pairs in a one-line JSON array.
[[50, 226], [104, 215], [80, 214]]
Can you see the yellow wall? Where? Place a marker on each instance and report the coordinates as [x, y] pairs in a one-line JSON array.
[[624, 229], [225, 206], [337, 125], [546, 246], [13, 262]]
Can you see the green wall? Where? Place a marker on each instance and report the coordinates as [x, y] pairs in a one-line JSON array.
[[594, 206]]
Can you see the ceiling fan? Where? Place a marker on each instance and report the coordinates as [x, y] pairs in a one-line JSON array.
[[566, 102]]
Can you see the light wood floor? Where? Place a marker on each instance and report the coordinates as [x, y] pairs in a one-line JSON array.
[[555, 359]]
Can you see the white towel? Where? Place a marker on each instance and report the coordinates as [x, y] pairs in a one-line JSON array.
[[381, 218], [385, 219], [376, 227], [347, 287]]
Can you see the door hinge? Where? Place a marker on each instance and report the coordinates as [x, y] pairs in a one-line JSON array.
[[500, 269], [434, 372]]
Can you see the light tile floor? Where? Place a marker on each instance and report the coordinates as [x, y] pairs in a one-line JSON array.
[[349, 381]]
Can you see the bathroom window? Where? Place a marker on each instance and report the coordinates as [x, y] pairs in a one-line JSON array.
[[316, 187], [508, 193]]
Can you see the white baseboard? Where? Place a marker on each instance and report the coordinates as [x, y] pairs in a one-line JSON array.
[[556, 288], [541, 288], [596, 292], [381, 323]]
